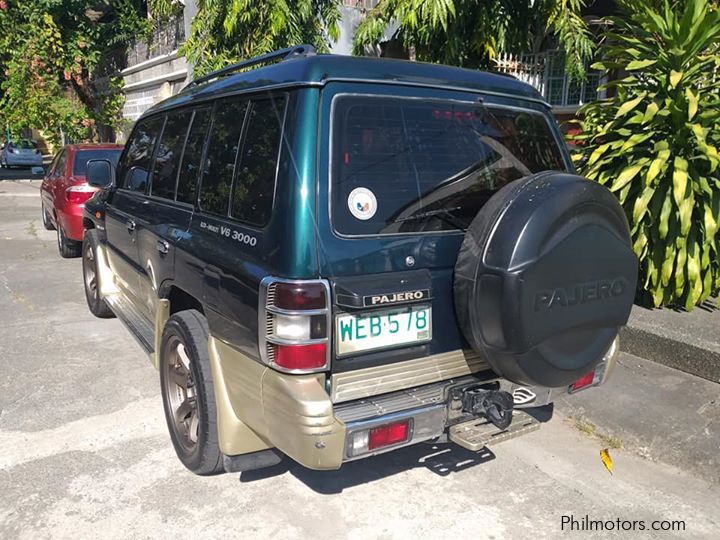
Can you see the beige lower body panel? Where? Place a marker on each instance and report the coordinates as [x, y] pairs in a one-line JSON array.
[[260, 408]]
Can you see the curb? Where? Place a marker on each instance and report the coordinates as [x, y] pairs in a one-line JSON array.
[[684, 341]]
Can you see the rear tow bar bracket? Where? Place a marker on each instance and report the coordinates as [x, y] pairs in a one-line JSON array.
[[495, 405]]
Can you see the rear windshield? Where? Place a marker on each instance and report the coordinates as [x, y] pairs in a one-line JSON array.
[[27, 145], [83, 156], [402, 165]]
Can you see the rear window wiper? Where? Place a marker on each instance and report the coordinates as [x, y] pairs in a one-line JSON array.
[[444, 214]]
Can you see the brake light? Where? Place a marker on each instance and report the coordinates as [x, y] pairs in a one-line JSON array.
[[293, 325], [78, 194], [295, 357], [583, 382], [367, 440]]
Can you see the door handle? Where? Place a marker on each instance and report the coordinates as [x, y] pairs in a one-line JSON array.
[[162, 246], [130, 225]]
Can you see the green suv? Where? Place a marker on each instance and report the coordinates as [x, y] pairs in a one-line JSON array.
[[332, 257]]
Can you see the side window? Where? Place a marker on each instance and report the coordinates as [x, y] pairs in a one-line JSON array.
[[134, 169], [255, 182], [60, 165], [222, 150], [53, 164], [190, 166], [169, 152]]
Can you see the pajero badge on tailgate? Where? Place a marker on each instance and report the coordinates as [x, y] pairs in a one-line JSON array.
[[396, 298]]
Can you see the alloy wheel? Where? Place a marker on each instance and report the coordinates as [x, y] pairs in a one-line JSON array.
[[181, 394], [90, 274]]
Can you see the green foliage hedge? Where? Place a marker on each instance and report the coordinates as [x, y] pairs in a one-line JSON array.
[[654, 144]]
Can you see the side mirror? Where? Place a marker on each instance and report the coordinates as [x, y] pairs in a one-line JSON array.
[[100, 173]]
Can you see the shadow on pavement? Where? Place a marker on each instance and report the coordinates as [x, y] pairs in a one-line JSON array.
[[442, 459], [18, 174]]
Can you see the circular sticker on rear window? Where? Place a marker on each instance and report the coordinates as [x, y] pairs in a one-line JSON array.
[[362, 203]]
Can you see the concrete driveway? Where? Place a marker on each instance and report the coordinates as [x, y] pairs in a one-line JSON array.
[[84, 451]]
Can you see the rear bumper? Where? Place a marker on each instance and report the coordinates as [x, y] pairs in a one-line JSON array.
[[71, 219], [21, 160], [260, 408]]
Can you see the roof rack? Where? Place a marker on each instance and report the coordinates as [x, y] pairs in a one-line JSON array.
[[283, 54]]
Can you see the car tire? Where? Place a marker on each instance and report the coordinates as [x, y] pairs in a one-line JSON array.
[[46, 220], [95, 302], [69, 249], [188, 393]]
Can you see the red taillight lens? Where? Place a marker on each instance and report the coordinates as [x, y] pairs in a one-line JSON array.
[[300, 296], [311, 356], [388, 435], [78, 197], [583, 382]]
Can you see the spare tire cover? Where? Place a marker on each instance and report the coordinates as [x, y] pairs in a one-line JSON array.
[[545, 278]]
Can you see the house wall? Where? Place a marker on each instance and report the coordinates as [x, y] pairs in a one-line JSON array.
[[155, 70]]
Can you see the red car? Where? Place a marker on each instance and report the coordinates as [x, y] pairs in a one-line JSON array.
[[64, 192]]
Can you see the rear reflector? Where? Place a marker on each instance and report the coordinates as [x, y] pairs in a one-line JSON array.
[[583, 382], [311, 356], [367, 440], [388, 435]]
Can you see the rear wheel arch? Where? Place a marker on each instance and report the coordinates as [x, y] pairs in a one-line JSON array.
[[181, 300]]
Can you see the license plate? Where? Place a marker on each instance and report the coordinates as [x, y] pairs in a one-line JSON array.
[[382, 329]]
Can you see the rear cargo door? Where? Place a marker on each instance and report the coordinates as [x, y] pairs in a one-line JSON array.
[[402, 173]]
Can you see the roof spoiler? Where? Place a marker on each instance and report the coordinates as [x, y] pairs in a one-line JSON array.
[[297, 51]]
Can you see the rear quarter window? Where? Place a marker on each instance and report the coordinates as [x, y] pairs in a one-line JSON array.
[[241, 161], [219, 166], [429, 164], [83, 156], [255, 183], [134, 168]]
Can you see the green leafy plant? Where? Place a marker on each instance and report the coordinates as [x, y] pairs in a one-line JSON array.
[[471, 33], [654, 144], [49, 50], [226, 32]]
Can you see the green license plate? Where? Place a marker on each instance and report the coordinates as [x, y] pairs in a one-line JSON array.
[[356, 333]]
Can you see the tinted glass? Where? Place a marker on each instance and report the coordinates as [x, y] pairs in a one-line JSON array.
[[255, 180], [54, 163], [60, 167], [428, 164], [134, 169], [222, 150], [83, 156], [168, 155], [24, 144], [190, 166]]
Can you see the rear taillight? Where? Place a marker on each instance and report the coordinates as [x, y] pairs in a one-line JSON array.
[[367, 440], [79, 194], [583, 382], [294, 318]]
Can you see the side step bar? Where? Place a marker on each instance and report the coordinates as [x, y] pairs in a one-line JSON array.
[[140, 327], [478, 433]]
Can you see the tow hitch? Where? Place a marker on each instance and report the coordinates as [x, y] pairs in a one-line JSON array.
[[495, 405], [496, 421]]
